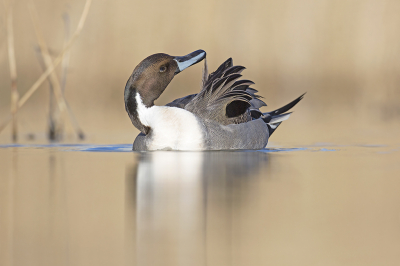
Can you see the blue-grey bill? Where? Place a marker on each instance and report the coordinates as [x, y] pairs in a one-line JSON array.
[[189, 60]]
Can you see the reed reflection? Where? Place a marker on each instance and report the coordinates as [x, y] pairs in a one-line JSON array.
[[186, 206]]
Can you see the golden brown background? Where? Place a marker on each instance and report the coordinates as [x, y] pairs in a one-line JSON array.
[[329, 197], [345, 54]]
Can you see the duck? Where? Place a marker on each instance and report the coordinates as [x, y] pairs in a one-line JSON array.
[[224, 115]]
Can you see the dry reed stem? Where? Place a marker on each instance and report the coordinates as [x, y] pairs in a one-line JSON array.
[[65, 61], [64, 72], [77, 128], [57, 89], [4, 22], [53, 126], [13, 70], [57, 61], [48, 63]]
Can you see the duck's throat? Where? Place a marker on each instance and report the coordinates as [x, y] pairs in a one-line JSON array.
[[132, 107]]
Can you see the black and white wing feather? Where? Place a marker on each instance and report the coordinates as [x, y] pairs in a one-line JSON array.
[[227, 99], [224, 97]]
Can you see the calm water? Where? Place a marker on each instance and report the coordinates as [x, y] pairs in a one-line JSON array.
[[104, 205]]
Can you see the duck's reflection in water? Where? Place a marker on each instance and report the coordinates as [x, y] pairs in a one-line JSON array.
[[184, 208]]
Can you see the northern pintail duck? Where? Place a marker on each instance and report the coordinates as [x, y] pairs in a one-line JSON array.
[[224, 115]]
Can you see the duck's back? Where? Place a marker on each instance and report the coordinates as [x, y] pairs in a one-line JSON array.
[[223, 98]]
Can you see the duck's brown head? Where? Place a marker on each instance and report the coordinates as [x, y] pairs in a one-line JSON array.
[[150, 78]]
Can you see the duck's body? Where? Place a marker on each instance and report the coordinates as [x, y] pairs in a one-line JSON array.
[[194, 134], [224, 115]]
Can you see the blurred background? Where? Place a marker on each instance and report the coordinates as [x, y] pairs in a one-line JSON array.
[[344, 54], [327, 194]]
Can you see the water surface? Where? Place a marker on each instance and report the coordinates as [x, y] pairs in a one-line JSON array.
[[322, 204]]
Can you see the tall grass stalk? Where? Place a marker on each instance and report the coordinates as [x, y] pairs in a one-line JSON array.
[[13, 71], [55, 63], [55, 84]]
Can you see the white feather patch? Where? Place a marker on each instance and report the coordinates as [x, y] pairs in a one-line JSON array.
[[279, 119], [273, 126], [172, 127]]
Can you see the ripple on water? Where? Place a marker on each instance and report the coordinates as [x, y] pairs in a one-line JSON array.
[[375, 148], [128, 148]]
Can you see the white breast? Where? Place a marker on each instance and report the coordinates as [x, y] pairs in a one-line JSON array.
[[171, 127]]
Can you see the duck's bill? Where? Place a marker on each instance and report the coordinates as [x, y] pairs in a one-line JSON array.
[[189, 60]]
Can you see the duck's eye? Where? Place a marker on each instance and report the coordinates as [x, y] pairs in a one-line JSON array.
[[163, 68]]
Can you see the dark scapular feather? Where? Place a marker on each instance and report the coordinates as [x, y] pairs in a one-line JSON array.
[[234, 69], [243, 82], [251, 91], [257, 103], [218, 73], [241, 88]]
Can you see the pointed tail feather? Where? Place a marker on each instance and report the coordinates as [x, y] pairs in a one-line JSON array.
[[285, 108], [273, 127], [274, 119]]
